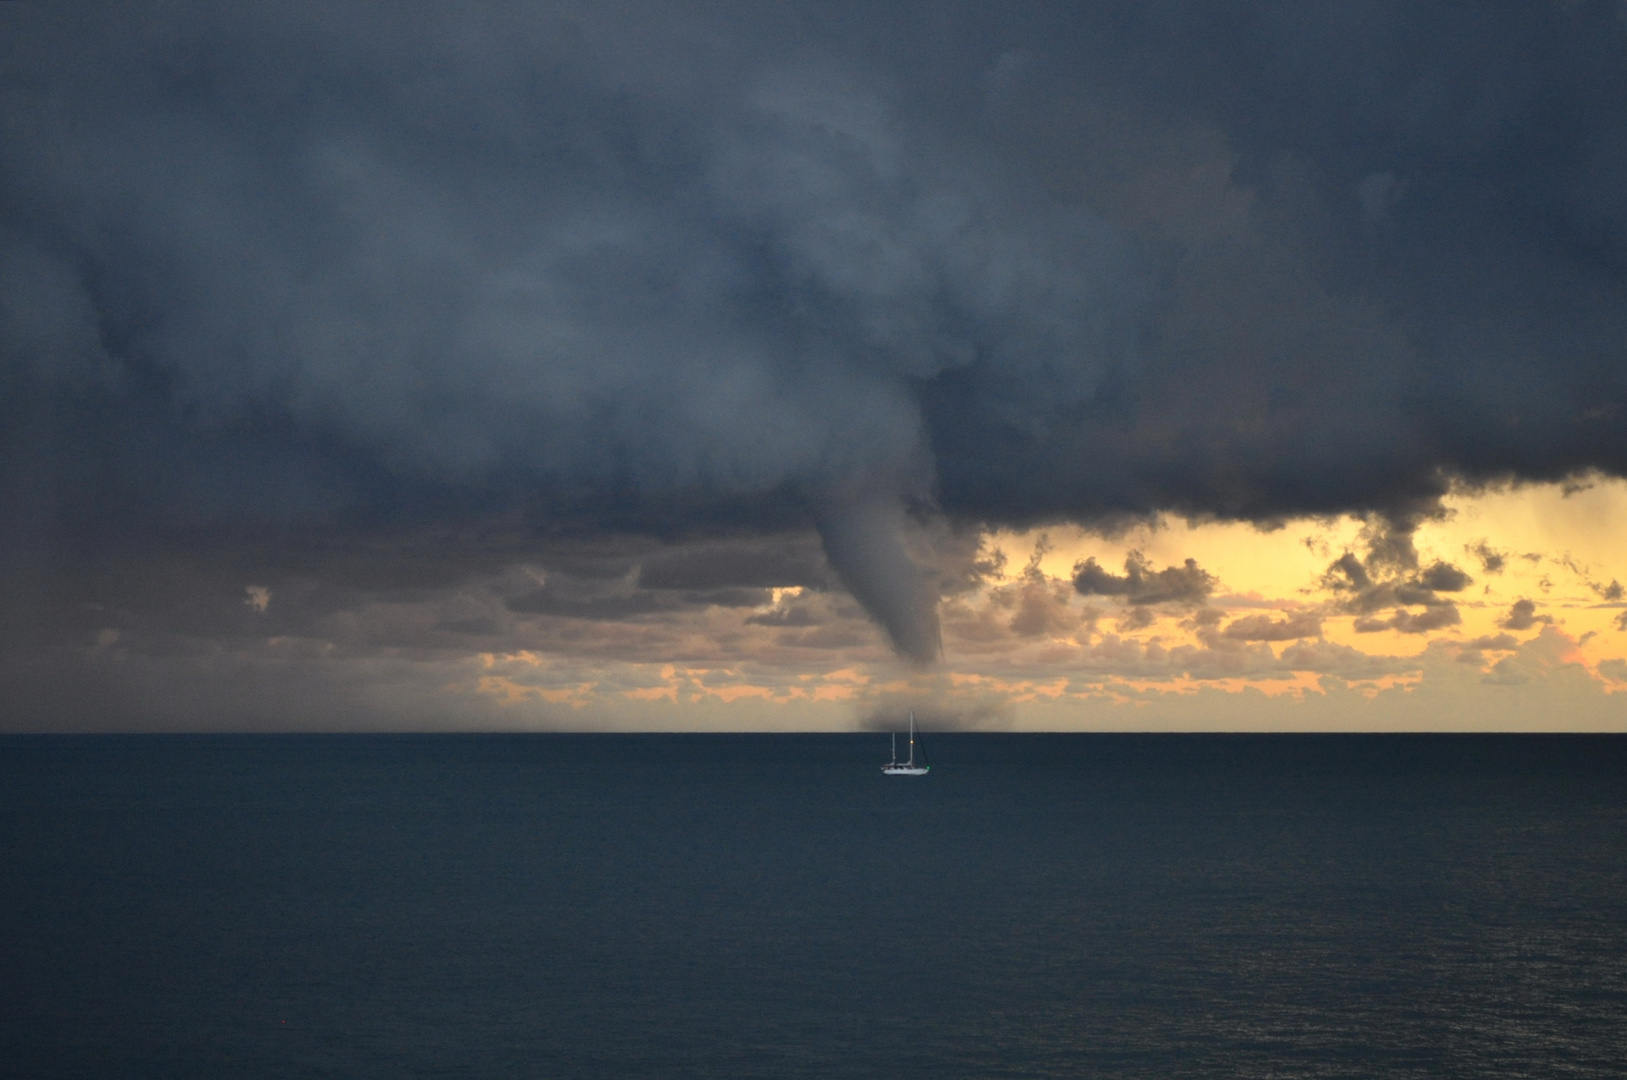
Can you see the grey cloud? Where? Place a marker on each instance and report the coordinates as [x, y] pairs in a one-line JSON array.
[[1264, 628], [1492, 561], [1331, 658], [763, 563], [475, 625], [1507, 672], [865, 545], [1205, 618], [894, 270], [1114, 656], [1042, 608], [1610, 593], [829, 636], [1389, 579], [316, 278], [1141, 584], [1347, 573], [1039, 604], [1136, 618], [703, 299], [1542, 656], [804, 610], [794, 615], [592, 565], [1444, 577], [1406, 622], [1522, 616], [546, 601], [731, 598], [1493, 641], [1432, 618], [1377, 193]]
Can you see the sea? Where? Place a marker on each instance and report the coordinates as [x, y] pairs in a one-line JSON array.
[[720, 906]]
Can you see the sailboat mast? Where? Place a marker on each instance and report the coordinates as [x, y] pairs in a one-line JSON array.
[[912, 737]]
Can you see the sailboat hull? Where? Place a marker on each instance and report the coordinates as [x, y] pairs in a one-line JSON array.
[[905, 770]]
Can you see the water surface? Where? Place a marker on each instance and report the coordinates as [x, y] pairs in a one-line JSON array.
[[756, 906]]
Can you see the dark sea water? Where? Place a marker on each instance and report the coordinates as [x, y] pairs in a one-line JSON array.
[[771, 906]]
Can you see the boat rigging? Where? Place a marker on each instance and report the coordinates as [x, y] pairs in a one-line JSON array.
[[909, 767]]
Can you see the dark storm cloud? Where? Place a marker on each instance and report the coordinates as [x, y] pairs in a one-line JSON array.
[[626, 605], [520, 252], [313, 279], [764, 563]]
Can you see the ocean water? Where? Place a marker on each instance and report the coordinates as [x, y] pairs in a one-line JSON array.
[[771, 906]]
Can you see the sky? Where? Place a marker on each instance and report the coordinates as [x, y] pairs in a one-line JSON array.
[[727, 366]]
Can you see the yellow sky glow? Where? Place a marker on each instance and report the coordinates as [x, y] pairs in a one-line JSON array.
[[1025, 650]]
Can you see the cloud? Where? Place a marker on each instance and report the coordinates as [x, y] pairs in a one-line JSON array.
[[865, 545], [758, 267], [1492, 641], [779, 562], [1610, 592], [1407, 622], [1389, 577], [1331, 658], [1042, 609], [1522, 616], [623, 606], [737, 314], [1136, 618], [1378, 192], [1264, 628], [1117, 657], [1492, 561], [372, 301], [1536, 660], [1444, 577], [797, 615], [1141, 584]]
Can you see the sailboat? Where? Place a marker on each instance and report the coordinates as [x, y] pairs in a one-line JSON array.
[[907, 768]]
